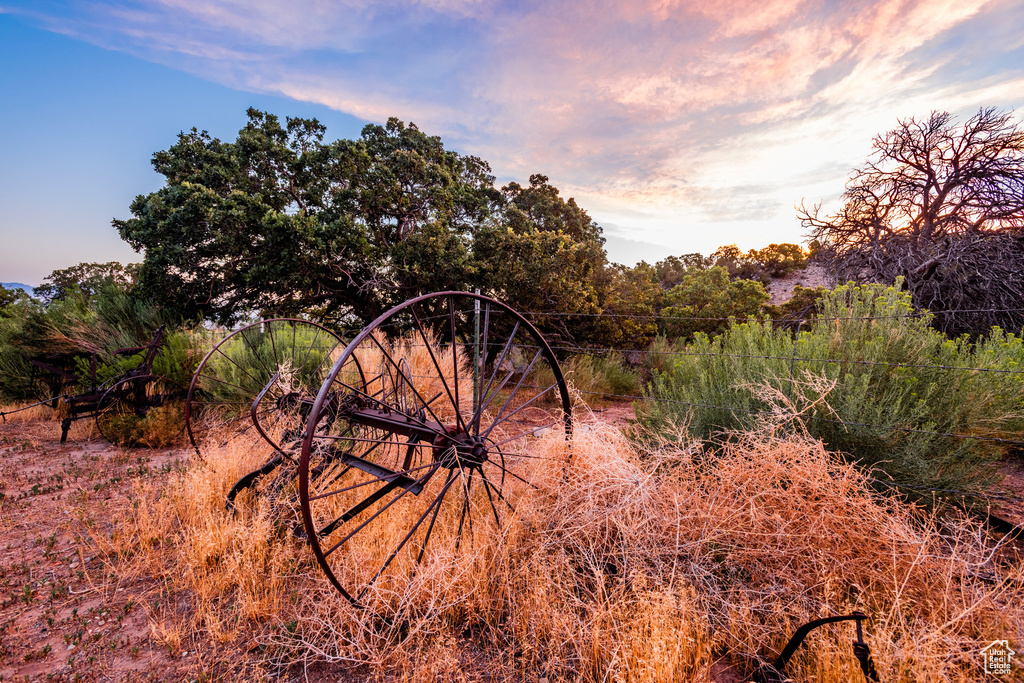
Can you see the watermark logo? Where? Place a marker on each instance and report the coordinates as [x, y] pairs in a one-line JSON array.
[[998, 658]]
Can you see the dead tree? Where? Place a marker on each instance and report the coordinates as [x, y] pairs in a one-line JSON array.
[[941, 206]]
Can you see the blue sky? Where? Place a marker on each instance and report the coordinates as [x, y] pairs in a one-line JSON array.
[[679, 126]]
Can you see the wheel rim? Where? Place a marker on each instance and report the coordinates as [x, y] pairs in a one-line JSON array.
[[432, 447], [260, 379]]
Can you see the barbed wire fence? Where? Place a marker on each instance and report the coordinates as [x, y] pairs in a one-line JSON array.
[[566, 350], [797, 326]]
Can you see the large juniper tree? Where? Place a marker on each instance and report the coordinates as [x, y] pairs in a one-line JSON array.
[[282, 222]]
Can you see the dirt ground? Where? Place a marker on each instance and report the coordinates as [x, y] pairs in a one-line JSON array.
[[65, 614], [781, 289], [68, 614]]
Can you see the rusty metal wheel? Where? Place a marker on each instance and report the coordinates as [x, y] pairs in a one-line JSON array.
[[435, 444], [260, 381]]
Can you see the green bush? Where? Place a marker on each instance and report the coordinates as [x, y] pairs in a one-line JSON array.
[[69, 330], [887, 400], [705, 300]]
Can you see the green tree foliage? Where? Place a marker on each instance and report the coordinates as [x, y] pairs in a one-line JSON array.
[[705, 300], [9, 297], [87, 278], [282, 222], [890, 401], [774, 261], [629, 301], [670, 271]]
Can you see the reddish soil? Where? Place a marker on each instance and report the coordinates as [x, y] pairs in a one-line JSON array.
[[67, 614], [781, 290]]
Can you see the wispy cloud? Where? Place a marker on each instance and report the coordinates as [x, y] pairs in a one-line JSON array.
[[683, 113]]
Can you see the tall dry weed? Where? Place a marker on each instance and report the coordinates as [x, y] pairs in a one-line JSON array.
[[628, 565]]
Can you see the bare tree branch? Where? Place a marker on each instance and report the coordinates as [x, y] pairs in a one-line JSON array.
[[941, 206]]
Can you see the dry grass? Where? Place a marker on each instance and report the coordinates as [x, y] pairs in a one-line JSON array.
[[34, 414], [630, 567]]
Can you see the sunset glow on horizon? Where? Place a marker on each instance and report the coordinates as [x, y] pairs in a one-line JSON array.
[[679, 126]]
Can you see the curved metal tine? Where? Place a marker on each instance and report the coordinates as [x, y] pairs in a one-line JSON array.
[[403, 399], [392, 394], [411, 386], [377, 514], [437, 366], [435, 505]]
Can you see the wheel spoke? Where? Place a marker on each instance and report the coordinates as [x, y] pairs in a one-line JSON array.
[[379, 512], [490, 499], [255, 352], [455, 364], [435, 505], [497, 492], [499, 419], [411, 386], [520, 436], [497, 366], [437, 366], [513, 474], [311, 345], [467, 483]]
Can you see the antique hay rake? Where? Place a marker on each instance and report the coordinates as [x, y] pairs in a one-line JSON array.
[[414, 433], [119, 404]]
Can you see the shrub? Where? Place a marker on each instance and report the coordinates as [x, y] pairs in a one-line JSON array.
[[627, 566], [866, 377], [595, 377], [705, 300]]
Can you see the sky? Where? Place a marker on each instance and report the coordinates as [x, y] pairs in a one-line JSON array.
[[679, 126]]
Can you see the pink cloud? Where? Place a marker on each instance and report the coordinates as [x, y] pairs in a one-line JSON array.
[[695, 109]]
